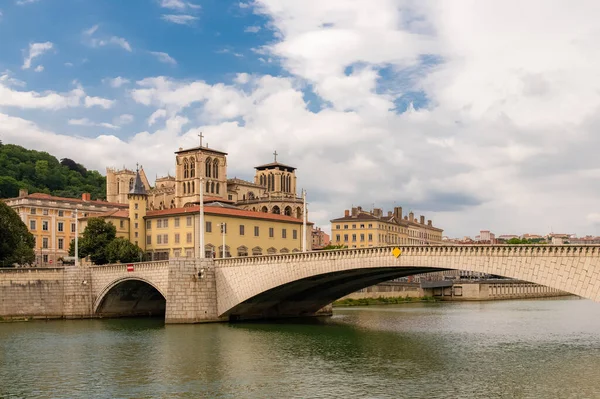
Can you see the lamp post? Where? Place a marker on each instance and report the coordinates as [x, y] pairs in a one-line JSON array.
[[223, 230], [303, 220], [76, 240], [201, 253]]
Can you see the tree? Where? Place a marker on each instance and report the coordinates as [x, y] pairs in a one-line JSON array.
[[95, 239], [122, 250], [332, 246], [16, 242]]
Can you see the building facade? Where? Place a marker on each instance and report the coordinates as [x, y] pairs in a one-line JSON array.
[[320, 239], [52, 221], [359, 229]]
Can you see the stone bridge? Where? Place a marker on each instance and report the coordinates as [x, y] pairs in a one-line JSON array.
[[189, 290]]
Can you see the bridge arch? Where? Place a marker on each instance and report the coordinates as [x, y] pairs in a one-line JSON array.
[[296, 284], [130, 296]]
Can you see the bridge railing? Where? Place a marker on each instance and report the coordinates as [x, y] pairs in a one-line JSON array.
[[416, 250], [137, 266]]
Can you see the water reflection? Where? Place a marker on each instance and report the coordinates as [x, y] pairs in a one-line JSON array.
[[470, 350]]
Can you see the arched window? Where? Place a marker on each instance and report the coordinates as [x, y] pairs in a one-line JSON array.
[[256, 251], [242, 251], [186, 168], [250, 195], [295, 250], [298, 213], [287, 211], [209, 251], [289, 184], [131, 184], [208, 187], [118, 185], [172, 204], [217, 188], [264, 209], [263, 180], [227, 253], [192, 167], [216, 168], [189, 188], [162, 206], [271, 182], [184, 188], [282, 183], [207, 167], [212, 187], [284, 251], [193, 189], [276, 210], [272, 251]]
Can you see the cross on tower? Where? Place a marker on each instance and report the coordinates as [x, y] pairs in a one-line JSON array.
[[201, 136], [275, 154]]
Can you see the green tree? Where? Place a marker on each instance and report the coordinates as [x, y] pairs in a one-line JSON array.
[[95, 239], [16, 242], [332, 246], [122, 250]]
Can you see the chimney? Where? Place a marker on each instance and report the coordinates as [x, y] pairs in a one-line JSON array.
[[354, 211], [429, 223], [422, 219], [86, 196], [378, 212], [390, 214], [398, 212], [23, 192], [411, 217], [346, 213]]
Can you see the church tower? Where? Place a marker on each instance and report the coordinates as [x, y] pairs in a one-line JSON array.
[[200, 163], [138, 201], [277, 178]]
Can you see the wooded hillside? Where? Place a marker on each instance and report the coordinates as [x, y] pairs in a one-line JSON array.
[[40, 172]]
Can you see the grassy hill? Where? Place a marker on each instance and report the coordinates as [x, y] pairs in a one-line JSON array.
[[40, 172]]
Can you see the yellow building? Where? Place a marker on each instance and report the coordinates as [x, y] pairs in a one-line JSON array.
[[52, 221], [360, 229]]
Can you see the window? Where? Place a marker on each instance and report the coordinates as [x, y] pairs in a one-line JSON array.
[[242, 233], [61, 243], [165, 239], [188, 238], [353, 226], [346, 237], [136, 206], [256, 251], [176, 222], [345, 226], [61, 213], [230, 197], [45, 225], [73, 227], [45, 258], [209, 227], [362, 237], [176, 238], [188, 221], [283, 233], [165, 223], [45, 212], [362, 226], [370, 237], [188, 253], [32, 225], [223, 228], [148, 224], [337, 237], [33, 211], [370, 225], [159, 224], [61, 226], [159, 239], [295, 234], [148, 239], [136, 234], [45, 242], [337, 226], [177, 254], [256, 232], [135, 216], [242, 251], [271, 232]]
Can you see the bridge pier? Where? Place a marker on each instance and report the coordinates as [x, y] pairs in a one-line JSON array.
[[191, 292]]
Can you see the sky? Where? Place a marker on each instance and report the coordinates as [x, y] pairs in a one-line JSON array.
[[476, 114]]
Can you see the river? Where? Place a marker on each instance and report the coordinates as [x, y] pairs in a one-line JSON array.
[[504, 349]]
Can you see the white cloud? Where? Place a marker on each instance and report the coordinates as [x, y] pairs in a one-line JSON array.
[[101, 42], [156, 115], [36, 50], [119, 41], [178, 5], [164, 57], [91, 31], [116, 82], [252, 29], [33, 100], [39, 68], [68, 64], [98, 101], [87, 122], [25, 2], [124, 119], [180, 19], [6, 79]]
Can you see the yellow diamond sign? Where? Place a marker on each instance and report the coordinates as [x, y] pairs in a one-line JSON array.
[[396, 252]]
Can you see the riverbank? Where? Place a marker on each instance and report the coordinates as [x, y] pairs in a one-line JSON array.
[[381, 301]]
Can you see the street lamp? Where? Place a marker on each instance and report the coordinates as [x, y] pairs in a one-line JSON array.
[[201, 253], [303, 220], [223, 230], [76, 240]]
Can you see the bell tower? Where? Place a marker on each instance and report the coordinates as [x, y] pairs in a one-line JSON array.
[[138, 201]]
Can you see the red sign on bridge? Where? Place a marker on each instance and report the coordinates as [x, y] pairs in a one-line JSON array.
[[130, 267]]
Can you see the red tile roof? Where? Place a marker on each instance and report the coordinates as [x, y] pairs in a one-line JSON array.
[[226, 211], [42, 196], [116, 213]]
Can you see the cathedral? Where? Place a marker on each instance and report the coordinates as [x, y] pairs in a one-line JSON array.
[[273, 190]]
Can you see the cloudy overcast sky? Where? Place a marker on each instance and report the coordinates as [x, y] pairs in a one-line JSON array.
[[477, 114]]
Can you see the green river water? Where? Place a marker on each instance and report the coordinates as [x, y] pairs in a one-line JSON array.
[[504, 349]]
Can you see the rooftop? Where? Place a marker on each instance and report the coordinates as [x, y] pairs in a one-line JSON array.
[[200, 148], [274, 165], [48, 197], [225, 210]]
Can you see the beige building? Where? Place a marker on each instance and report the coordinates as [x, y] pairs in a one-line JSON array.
[[52, 221], [359, 229]]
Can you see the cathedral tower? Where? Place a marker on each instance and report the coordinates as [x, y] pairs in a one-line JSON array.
[[138, 201]]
